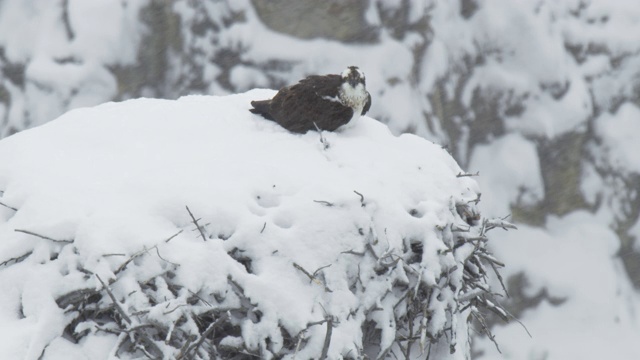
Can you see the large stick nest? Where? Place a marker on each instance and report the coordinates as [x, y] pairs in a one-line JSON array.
[[402, 313]]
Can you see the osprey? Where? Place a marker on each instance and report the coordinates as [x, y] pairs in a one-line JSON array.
[[324, 102]]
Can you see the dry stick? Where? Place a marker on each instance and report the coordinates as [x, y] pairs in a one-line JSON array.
[[201, 299], [467, 174], [486, 330], [470, 295], [394, 354], [75, 297], [361, 197], [518, 321], [323, 202], [320, 268], [126, 318], [115, 302], [327, 339], [410, 342], [314, 323], [429, 351], [504, 288], [300, 338], [323, 141], [8, 207], [311, 278], [204, 335], [138, 254], [353, 252], [186, 344], [114, 254], [144, 251], [163, 259], [491, 259], [43, 237], [195, 222], [383, 354], [16, 259], [174, 235]]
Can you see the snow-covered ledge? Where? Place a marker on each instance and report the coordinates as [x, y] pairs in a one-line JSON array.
[[218, 233]]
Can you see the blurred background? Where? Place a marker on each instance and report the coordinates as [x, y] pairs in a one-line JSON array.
[[542, 97]]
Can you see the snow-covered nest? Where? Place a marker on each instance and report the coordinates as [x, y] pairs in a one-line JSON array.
[[195, 229]]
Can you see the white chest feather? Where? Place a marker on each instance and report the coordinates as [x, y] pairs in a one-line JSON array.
[[353, 97]]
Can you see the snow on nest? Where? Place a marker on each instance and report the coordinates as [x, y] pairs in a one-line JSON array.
[[363, 217]]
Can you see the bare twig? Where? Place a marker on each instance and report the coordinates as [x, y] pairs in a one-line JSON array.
[[458, 228], [121, 311], [327, 339], [145, 339], [134, 256], [300, 339], [163, 259], [319, 269], [42, 236], [499, 222], [485, 329], [195, 222], [518, 321], [323, 202], [312, 277], [7, 206], [495, 271], [314, 323], [114, 254], [468, 174], [186, 345], [471, 294], [361, 198], [200, 298], [373, 252], [204, 335], [263, 227], [174, 235], [353, 252], [323, 141], [16, 259], [75, 297]]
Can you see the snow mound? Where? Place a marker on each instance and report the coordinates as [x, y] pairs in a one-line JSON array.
[[195, 229]]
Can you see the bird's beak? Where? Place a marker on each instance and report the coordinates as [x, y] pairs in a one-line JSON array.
[[353, 82]]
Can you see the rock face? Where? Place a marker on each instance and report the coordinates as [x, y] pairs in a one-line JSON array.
[[343, 21]]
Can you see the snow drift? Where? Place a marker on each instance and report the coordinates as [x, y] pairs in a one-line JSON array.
[[194, 229]]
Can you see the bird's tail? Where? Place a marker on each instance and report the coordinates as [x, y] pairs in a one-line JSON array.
[[262, 107]]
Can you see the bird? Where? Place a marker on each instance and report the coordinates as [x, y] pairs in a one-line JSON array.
[[318, 102]]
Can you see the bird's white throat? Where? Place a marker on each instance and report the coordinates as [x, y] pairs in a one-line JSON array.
[[353, 97]]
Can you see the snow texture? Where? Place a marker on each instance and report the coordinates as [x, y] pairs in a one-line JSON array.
[[293, 237]]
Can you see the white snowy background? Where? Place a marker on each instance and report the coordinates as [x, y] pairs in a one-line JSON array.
[[541, 97]]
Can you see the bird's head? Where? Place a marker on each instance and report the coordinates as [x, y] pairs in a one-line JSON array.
[[353, 76]]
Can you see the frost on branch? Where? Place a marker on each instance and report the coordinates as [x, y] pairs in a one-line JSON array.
[[332, 256]]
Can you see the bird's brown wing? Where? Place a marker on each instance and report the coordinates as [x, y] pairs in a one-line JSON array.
[[367, 105], [313, 101]]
